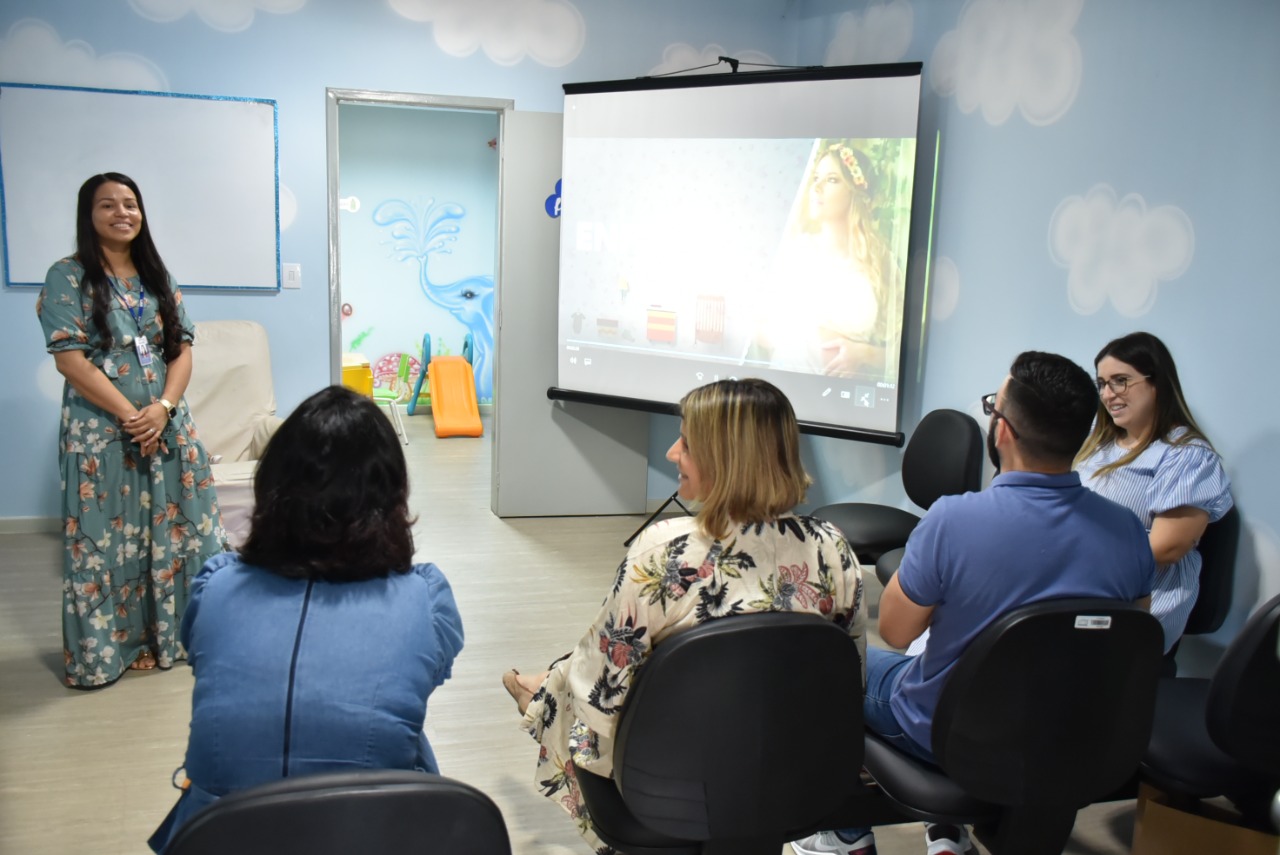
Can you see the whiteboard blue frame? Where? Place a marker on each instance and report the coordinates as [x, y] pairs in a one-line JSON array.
[[212, 199]]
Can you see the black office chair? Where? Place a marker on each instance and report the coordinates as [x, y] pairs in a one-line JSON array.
[[372, 811], [1048, 709], [1217, 548], [943, 458], [737, 736], [1221, 736]]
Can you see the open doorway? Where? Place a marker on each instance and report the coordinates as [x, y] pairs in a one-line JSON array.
[[553, 460], [413, 225]]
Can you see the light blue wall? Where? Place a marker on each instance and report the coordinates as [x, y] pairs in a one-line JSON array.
[[413, 161], [1162, 113], [1165, 116], [244, 48]]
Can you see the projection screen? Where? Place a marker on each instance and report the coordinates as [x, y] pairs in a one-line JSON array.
[[735, 225]]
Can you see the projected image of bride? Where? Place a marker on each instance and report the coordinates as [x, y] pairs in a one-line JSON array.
[[834, 302], [752, 227]]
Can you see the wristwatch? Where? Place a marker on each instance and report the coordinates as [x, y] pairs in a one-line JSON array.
[[169, 408]]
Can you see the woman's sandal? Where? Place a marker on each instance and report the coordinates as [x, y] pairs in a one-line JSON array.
[[146, 661], [511, 682]]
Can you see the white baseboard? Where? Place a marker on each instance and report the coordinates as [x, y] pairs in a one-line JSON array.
[[30, 525]]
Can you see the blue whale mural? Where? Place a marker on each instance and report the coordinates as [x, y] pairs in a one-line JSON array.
[[420, 234]]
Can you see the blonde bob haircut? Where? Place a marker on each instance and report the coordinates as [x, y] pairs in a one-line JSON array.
[[743, 437]]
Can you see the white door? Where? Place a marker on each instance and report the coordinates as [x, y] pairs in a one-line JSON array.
[[549, 458]]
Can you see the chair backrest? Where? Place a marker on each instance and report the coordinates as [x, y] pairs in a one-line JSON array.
[[1243, 710], [1217, 550], [403, 385], [741, 727], [943, 457], [1051, 704], [231, 389], [372, 811]]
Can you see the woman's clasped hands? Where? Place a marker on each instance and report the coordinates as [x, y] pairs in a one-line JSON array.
[[146, 426]]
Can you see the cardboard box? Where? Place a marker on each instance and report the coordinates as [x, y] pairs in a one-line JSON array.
[[1161, 829]]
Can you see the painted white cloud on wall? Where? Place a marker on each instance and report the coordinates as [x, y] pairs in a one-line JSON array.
[[288, 206], [1118, 249], [880, 34], [944, 290], [228, 16], [680, 56], [1011, 54], [32, 52], [551, 32]]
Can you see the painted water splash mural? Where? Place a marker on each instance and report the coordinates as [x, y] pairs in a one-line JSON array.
[[432, 230]]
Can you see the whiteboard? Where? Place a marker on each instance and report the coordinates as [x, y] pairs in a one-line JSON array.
[[208, 169]]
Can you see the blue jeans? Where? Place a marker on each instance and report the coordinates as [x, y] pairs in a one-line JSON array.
[[884, 670]]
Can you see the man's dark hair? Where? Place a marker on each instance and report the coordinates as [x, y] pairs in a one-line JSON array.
[[1051, 402], [331, 494]]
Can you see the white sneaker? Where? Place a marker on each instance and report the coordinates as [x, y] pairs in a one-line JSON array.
[[829, 843], [948, 839]]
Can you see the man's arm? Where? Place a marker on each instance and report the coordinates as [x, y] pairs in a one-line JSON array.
[[901, 620]]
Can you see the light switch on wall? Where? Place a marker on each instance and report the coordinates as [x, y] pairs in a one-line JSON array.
[[291, 275]]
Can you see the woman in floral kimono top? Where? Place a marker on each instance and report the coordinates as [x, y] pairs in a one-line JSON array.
[[738, 453], [139, 511]]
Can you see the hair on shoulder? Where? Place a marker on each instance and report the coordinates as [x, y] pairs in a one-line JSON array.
[[1151, 358], [743, 436], [332, 494], [145, 257]]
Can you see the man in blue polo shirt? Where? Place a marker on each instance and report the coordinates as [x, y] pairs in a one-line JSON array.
[[1034, 534]]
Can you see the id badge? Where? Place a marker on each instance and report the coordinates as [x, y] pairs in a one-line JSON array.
[[144, 350]]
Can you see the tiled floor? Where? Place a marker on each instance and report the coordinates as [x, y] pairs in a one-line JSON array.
[[88, 772]]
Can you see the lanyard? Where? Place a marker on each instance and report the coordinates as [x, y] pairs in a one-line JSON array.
[[141, 307]]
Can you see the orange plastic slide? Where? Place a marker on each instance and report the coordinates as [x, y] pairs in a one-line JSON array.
[[453, 397]]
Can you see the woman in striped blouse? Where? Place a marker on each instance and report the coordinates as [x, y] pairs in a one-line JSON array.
[[1147, 453]]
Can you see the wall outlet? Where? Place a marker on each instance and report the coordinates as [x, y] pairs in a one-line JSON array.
[[291, 275]]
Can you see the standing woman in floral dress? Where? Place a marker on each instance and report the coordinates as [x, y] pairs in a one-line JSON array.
[[139, 510]]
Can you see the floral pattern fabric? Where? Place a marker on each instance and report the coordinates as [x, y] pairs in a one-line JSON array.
[[674, 578], [137, 528]]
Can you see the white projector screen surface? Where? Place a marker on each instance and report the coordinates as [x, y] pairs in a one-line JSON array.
[[756, 228]]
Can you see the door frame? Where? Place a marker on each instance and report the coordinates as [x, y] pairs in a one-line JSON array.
[[337, 97]]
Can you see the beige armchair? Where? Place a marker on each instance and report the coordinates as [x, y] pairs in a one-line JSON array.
[[233, 402]]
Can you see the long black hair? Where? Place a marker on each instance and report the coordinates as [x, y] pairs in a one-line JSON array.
[[151, 269], [331, 494]]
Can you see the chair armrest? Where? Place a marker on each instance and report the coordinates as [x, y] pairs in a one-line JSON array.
[[262, 433]]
